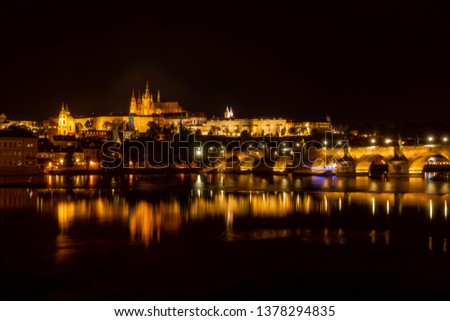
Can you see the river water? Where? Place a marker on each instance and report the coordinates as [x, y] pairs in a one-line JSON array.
[[232, 237]]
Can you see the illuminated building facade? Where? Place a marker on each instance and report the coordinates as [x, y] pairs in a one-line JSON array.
[[145, 109], [66, 123], [18, 152], [230, 126], [144, 105], [5, 123]]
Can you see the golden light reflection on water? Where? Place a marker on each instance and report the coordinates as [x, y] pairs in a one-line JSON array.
[[149, 219], [65, 248], [445, 209], [431, 209], [66, 215]]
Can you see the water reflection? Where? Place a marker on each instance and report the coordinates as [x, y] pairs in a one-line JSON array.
[[66, 215], [147, 221], [17, 198], [150, 216], [313, 209]]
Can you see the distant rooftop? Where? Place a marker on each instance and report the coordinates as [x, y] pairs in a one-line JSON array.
[[16, 133]]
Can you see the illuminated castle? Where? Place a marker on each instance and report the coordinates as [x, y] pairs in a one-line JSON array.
[[144, 110], [145, 105]]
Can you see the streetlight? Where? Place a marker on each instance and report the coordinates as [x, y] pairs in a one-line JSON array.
[[388, 140], [373, 141], [445, 139], [430, 139]]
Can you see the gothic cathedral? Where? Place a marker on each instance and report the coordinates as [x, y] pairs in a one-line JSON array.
[[145, 105]]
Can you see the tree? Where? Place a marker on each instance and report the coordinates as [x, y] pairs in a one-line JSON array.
[[168, 132], [215, 130], [315, 132], [118, 124], [68, 158], [245, 135], [292, 131], [303, 131], [89, 123], [78, 127], [154, 130], [107, 125]]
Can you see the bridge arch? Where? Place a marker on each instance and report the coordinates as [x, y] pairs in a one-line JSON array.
[[364, 163], [417, 164]]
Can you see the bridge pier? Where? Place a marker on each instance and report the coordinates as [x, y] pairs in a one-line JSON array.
[[397, 167], [399, 164], [346, 165]]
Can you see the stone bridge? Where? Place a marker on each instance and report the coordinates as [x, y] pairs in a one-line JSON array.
[[399, 159]]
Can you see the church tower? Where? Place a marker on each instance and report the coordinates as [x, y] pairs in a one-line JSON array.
[[229, 113], [146, 100], [133, 109], [66, 123]]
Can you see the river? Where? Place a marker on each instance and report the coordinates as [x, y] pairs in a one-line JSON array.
[[223, 237]]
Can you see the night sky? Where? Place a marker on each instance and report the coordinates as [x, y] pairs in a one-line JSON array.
[[378, 61]]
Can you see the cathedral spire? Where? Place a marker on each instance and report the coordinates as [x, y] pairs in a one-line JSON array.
[[133, 106], [158, 98], [147, 90], [62, 106]]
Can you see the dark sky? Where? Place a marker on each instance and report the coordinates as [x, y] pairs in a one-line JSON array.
[[378, 61]]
